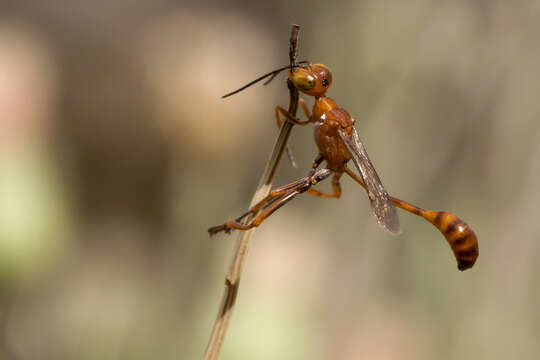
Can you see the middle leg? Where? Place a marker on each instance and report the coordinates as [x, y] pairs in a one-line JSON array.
[[336, 187]]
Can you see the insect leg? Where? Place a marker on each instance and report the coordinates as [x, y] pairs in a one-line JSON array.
[[316, 162], [272, 202], [289, 117], [256, 221], [287, 149], [335, 186], [305, 108], [296, 122], [271, 197]]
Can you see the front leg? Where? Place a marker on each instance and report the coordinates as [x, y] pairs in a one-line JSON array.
[[297, 122], [289, 117], [305, 108]]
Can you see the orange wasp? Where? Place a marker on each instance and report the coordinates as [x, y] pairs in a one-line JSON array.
[[338, 143]]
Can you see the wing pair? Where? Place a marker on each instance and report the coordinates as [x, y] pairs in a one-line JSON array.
[[381, 205]]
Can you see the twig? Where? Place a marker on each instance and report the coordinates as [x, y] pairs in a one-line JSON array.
[[232, 280]]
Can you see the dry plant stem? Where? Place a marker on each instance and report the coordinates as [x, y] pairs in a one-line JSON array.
[[232, 280]]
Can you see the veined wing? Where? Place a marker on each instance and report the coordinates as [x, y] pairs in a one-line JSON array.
[[381, 205]]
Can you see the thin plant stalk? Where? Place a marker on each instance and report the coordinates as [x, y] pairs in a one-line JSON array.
[[232, 279]]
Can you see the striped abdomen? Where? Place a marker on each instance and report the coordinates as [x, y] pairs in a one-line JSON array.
[[459, 235], [457, 232]]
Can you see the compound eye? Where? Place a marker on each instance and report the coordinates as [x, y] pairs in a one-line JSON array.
[[325, 82], [302, 80]]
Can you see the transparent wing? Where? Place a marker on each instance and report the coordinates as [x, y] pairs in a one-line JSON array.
[[381, 205]]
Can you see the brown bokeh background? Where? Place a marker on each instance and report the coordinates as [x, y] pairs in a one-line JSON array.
[[117, 153]]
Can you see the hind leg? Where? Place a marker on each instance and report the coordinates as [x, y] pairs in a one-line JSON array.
[[272, 202]]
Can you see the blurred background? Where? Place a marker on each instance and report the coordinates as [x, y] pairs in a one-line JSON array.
[[117, 153]]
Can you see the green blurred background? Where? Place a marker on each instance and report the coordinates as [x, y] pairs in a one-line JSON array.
[[117, 153]]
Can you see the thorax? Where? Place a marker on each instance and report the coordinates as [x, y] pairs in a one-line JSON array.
[[322, 106], [326, 111], [328, 119]]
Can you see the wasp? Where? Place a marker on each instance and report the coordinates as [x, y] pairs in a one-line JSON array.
[[338, 143]]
